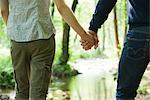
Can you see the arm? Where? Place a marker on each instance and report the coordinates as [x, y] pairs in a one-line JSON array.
[[4, 10], [102, 11], [69, 17]]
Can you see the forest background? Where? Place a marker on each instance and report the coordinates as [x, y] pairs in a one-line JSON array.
[[112, 36]]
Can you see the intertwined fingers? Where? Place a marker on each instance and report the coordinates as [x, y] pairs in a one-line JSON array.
[[88, 44], [96, 40]]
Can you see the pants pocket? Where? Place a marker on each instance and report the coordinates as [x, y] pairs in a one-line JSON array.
[[136, 49]]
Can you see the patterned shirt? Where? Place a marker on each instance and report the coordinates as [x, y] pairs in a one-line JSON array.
[[29, 20]]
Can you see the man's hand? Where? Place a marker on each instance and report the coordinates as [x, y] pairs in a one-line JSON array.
[[86, 45], [95, 38], [87, 41]]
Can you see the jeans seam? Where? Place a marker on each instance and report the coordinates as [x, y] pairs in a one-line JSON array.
[[148, 48], [138, 40]]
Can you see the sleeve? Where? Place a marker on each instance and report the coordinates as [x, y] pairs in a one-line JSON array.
[[102, 11]]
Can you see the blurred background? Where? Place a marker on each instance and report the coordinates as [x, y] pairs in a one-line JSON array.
[[79, 74]]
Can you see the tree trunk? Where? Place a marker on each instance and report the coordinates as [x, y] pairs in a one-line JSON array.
[[52, 8], [116, 32], [104, 36], [125, 22], [65, 43]]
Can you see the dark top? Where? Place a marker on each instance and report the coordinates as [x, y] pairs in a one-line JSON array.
[[138, 13]]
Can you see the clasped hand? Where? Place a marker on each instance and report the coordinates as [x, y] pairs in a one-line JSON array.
[[89, 40]]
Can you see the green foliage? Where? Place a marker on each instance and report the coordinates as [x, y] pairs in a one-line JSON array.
[[143, 88], [6, 73], [62, 71], [3, 36], [1, 28]]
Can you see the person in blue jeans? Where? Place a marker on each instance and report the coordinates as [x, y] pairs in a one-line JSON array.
[[136, 52]]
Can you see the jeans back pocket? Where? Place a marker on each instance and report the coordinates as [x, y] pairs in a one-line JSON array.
[[136, 49]]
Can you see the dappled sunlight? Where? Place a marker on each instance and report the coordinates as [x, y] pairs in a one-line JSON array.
[[95, 65], [4, 51], [92, 87]]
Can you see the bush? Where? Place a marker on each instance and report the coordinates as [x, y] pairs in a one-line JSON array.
[[6, 73], [65, 70]]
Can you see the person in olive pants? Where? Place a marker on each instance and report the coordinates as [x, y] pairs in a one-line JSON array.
[[31, 32], [32, 63]]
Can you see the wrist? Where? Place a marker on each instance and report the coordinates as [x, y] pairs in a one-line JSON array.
[[82, 33], [92, 32], [93, 29]]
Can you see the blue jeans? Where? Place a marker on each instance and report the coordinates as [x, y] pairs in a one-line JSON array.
[[133, 63]]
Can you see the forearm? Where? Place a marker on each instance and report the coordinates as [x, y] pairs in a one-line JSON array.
[[102, 11], [4, 10], [5, 16], [69, 17]]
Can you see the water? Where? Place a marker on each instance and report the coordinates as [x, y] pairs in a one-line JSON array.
[[96, 82], [84, 87], [92, 87]]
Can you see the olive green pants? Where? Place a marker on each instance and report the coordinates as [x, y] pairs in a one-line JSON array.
[[32, 62]]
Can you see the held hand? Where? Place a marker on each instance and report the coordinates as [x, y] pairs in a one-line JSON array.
[[96, 41], [87, 41], [95, 38]]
